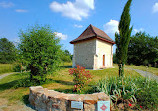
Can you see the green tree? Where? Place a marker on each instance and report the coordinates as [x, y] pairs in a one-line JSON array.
[[114, 58], [66, 56], [143, 49], [123, 37], [40, 48], [8, 51], [67, 52]]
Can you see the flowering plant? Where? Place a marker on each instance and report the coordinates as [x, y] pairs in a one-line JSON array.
[[81, 77]]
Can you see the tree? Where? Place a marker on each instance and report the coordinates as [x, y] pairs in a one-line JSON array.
[[7, 51], [67, 52], [41, 49], [143, 49], [123, 37], [66, 56], [114, 58]]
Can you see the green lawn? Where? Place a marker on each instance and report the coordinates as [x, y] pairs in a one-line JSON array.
[[4, 68], [61, 81], [144, 68]]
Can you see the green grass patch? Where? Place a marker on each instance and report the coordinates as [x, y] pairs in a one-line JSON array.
[[5, 68], [59, 81]]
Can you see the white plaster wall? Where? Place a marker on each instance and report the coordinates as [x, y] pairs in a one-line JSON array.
[[84, 53], [104, 48]]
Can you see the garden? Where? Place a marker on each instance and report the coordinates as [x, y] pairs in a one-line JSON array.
[[40, 59], [134, 92]]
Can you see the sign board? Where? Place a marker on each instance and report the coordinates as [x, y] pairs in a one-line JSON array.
[[76, 105], [103, 105]]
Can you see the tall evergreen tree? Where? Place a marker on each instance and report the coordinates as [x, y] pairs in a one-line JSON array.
[[123, 37]]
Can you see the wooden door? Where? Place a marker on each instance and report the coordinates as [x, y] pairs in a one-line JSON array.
[[103, 60]]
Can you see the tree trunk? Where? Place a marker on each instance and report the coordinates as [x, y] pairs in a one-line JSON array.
[[121, 70]]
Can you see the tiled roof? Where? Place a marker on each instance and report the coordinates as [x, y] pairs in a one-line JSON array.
[[93, 32]]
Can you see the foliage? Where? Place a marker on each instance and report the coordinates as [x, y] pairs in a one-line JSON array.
[[66, 56], [130, 91], [41, 51], [62, 81], [7, 51], [18, 67], [115, 59], [81, 77], [143, 49], [123, 37], [24, 83], [147, 95], [120, 91]]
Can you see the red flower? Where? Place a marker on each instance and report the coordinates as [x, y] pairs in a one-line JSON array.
[[130, 104], [141, 107]]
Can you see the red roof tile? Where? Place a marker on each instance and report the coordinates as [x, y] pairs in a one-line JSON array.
[[93, 32]]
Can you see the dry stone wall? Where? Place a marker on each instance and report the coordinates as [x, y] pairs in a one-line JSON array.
[[49, 100]]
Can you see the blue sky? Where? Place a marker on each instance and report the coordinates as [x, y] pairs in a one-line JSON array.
[[69, 18]]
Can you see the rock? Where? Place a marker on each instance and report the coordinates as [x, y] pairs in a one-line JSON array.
[[49, 100]]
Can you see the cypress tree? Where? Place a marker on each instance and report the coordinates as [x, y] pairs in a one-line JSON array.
[[123, 37]]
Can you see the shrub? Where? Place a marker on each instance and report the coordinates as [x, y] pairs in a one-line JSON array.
[[81, 77], [40, 48], [25, 81], [18, 67], [120, 90], [136, 93], [147, 96]]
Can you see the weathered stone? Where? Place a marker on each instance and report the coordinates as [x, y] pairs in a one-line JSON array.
[[49, 100]]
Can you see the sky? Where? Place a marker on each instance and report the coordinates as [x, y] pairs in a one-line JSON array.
[[69, 18]]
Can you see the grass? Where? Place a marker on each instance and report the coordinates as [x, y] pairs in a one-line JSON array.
[[4, 68], [60, 81], [144, 68]]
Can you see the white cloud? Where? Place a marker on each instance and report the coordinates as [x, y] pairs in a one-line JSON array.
[[74, 10], [138, 30], [6, 4], [78, 26], [21, 10], [61, 36], [111, 27], [155, 7]]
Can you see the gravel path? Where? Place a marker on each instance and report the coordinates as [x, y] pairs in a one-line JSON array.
[[146, 74], [7, 74]]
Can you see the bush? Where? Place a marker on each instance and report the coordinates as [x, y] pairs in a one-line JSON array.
[[66, 58], [121, 91], [26, 82], [18, 67], [147, 96], [135, 93], [40, 48], [81, 78]]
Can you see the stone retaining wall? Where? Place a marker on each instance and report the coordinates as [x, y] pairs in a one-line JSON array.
[[49, 100]]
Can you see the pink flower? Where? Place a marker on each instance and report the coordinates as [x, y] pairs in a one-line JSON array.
[[141, 107]]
